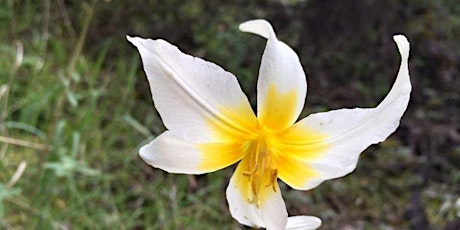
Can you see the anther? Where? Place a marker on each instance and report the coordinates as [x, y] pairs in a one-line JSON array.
[[250, 173], [273, 178]]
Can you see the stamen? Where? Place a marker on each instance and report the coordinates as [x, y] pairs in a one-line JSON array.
[[254, 185], [261, 171], [255, 160]]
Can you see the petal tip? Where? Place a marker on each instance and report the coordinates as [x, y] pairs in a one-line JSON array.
[[143, 153], [133, 40], [403, 45], [258, 26], [303, 222], [316, 222]]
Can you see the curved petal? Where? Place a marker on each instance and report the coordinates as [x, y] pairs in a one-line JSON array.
[[197, 100], [343, 134], [282, 85], [270, 212], [173, 155], [303, 223]]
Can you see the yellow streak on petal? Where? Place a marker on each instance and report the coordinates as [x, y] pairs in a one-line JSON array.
[[278, 110], [294, 172], [300, 142], [240, 114], [295, 148], [216, 156], [230, 143]]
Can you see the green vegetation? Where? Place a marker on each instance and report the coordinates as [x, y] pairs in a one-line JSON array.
[[75, 107]]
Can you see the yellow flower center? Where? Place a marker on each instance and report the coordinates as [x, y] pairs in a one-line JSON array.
[[267, 144]]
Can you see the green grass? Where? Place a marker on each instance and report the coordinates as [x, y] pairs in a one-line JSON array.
[[75, 110], [83, 113]]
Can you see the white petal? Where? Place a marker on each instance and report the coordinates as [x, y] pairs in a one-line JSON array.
[[348, 132], [259, 26], [173, 155], [273, 210], [271, 214], [193, 96], [282, 85], [303, 223], [244, 213]]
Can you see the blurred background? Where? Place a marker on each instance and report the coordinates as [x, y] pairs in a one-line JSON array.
[[75, 107]]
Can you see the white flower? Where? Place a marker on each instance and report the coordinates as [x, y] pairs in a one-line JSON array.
[[211, 125]]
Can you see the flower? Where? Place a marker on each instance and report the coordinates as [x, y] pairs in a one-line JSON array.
[[211, 125]]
